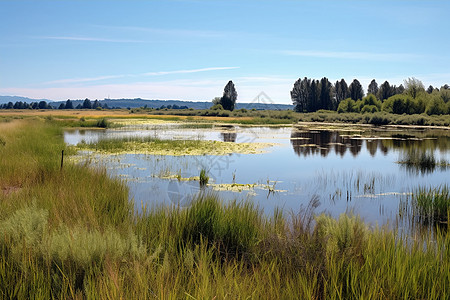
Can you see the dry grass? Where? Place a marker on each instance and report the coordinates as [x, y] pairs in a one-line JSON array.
[[113, 113]]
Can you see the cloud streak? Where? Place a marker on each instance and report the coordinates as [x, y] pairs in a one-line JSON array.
[[160, 73], [351, 55], [173, 32], [188, 71], [88, 39]]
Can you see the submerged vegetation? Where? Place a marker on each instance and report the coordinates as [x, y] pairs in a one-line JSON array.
[[73, 233]]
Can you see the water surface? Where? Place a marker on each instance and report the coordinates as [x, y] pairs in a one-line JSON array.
[[350, 170]]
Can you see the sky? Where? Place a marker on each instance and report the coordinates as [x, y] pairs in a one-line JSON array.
[[190, 49]]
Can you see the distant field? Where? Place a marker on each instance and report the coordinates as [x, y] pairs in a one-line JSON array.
[[119, 113]]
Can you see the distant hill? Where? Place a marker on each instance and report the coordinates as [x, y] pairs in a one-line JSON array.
[[138, 102], [14, 99]]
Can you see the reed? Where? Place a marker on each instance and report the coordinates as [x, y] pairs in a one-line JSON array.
[[203, 178], [431, 204]]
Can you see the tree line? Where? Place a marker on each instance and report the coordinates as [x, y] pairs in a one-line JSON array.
[[310, 95], [86, 104]]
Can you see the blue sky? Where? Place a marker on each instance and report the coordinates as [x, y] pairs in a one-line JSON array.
[[189, 50]]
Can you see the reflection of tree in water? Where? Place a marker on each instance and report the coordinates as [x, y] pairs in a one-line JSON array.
[[355, 146], [419, 161], [229, 136], [372, 146], [323, 142], [314, 142]]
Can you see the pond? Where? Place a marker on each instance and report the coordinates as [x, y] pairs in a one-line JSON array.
[[348, 169]]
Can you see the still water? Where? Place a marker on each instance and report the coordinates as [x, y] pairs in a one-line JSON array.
[[348, 170]]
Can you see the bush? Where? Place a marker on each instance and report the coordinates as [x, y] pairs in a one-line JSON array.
[[379, 119], [369, 109], [347, 105], [224, 113], [217, 107], [436, 107]]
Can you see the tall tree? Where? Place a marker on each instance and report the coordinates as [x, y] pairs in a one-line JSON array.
[[413, 87], [313, 101], [325, 94], [301, 95], [385, 91], [96, 104], [356, 90], [341, 91], [229, 97], [43, 105], [430, 89], [399, 90], [373, 88], [87, 104], [298, 96], [69, 104]]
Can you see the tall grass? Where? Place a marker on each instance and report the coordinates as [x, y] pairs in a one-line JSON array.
[[203, 178], [72, 233], [431, 204]]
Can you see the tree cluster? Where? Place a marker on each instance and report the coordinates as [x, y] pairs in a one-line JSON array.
[[172, 107], [309, 95], [86, 104], [25, 105]]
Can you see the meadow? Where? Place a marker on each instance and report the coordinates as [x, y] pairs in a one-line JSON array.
[[72, 232]]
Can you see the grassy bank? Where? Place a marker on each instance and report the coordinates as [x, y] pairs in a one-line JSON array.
[[72, 233], [268, 117], [74, 118]]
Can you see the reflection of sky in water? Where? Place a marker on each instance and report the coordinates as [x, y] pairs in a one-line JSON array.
[[347, 172]]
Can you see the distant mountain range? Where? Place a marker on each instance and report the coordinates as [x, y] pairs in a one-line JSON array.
[[138, 102], [14, 99]]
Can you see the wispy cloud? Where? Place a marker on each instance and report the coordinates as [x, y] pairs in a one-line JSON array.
[[172, 31], [88, 79], [352, 55], [88, 39], [160, 73], [188, 71]]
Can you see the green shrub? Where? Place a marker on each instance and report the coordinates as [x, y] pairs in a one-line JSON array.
[[369, 109], [347, 105], [217, 107], [436, 107], [379, 119]]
